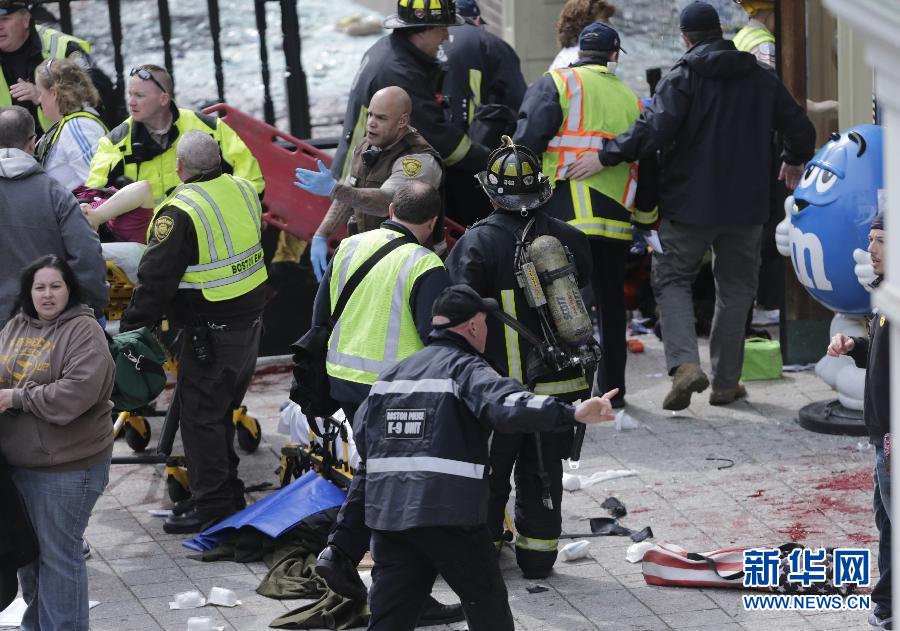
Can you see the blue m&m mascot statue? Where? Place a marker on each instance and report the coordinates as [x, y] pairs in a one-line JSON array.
[[825, 232]]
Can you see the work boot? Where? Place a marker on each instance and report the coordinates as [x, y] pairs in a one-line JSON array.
[[436, 613], [728, 395], [340, 575], [688, 378]]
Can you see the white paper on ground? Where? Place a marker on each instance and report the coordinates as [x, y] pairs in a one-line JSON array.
[[12, 615], [635, 552], [624, 421], [574, 482], [655, 243], [160, 512], [575, 550], [188, 600], [202, 624], [223, 597]]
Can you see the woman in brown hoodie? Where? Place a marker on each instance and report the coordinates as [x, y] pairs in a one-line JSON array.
[[56, 376]]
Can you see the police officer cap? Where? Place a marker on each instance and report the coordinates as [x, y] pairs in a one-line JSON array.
[[599, 37], [11, 6], [459, 303], [699, 17], [417, 13], [468, 9]]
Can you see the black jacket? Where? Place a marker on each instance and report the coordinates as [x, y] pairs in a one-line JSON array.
[[18, 543], [392, 60], [712, 120], [423, 432], [472, 47], [424, 292], [873, 354], [484, 259]]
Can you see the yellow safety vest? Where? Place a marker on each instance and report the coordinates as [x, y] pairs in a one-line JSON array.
[[558, 388], [49, 139], [227, 218], [595, 105], [752, 36], [54, 45], [159, 171], [376, 329]]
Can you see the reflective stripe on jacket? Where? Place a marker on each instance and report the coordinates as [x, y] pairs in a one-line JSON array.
[[752, 36], [376, 328], [227, 218]]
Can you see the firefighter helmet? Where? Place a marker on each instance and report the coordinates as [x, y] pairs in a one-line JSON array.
[[413, 13], [513, 178]]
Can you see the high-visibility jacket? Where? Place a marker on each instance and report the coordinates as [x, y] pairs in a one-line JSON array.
[[595, 105], [752, 36], [117, 154], [227, 217], [54, 45], [376, 328]]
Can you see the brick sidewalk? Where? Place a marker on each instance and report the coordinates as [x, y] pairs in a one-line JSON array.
[[786, 484]]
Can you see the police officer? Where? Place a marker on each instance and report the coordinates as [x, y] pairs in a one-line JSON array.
[[484, 258], [205, 259], [391, 154], [408, 58], [386, 319], [485, 86], [423, 431], [565, 112], [143, 146]]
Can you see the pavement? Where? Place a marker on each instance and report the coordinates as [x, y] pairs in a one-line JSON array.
[[785, 484]]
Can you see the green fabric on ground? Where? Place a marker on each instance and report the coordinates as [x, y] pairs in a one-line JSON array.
[[291, 559]]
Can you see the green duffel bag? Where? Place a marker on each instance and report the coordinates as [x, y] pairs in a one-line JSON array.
[[762, 359], [140, 377]]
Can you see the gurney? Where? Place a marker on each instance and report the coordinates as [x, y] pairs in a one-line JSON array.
[[122, 261]]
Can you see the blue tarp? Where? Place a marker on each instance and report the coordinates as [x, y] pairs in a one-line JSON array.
[[277, 513]]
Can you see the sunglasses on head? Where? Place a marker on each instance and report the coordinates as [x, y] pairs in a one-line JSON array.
[[50, 72], [142, 73]]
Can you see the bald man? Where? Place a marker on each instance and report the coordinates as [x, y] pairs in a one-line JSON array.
[[392, 154], [204, 267]]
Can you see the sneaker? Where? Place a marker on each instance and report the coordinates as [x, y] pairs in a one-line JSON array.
[[688, 378], [879, 622], [728, 395]]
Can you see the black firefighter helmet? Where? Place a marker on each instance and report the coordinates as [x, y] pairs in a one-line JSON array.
[[513, 178], [412, 13]]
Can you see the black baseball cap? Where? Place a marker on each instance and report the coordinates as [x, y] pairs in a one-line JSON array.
[[459, 303], [599, 37], [11, 6], [699, 17]]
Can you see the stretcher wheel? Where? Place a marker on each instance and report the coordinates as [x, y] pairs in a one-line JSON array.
[[249, 433], [137, 433], [177, 491]]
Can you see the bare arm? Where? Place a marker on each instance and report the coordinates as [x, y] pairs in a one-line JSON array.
[[372, 201], [135, 195]]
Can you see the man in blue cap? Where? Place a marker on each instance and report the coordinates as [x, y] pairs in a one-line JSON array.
[[567, 112], [484, 86], [711, 120]]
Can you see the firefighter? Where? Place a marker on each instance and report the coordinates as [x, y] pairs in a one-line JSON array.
[[408, 58], [205, 259], [143, 146], [565, 112], [485, 87], [391, 154], [484, 259], [423, 430], [386, 319]]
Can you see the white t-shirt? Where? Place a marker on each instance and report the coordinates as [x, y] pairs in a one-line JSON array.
[[565, 58], [69, 159]]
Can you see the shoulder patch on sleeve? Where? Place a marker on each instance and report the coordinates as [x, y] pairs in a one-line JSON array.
[[162, 227], [411, 166], [119, 133]]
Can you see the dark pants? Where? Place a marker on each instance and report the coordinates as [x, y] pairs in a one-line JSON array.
[[537, 527], [350, 533], [207, 393], [407, 563], [608, 283], [881, 593]]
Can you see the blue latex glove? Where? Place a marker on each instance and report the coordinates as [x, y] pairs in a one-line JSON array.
[[639, 243], [318, 255], [320, 183]]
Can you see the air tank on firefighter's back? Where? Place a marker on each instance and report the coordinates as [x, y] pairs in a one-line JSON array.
[[573, 324]]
